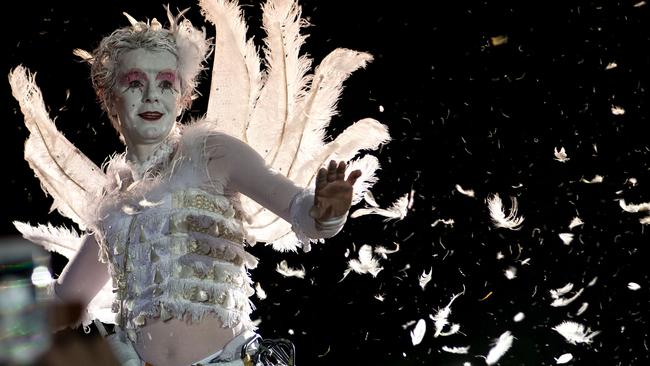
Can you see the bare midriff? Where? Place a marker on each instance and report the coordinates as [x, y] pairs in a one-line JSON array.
[[179, 343]]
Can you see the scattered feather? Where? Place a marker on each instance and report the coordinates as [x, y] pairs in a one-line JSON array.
[[561, 291], [575, 333], [596, 179], [564, 358], [582, 309], [379, 297], [466, 192], [261, 294], [519, 317], [566, 301], [618, 111], [634, 208], [365, 264], [284, 269], [397, 211], [456, 350], [440, 319], [418, 333], [383, 251], [592, 282], [510, 272], [447, 222], [575, 222], [502, 346], [610, 66], [498, 215], [498, 40], [561, 155], [567, 238], [639, 4], [633, 286], [425, 278]]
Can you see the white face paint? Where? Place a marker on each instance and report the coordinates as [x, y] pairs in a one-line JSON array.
[[147, 95]]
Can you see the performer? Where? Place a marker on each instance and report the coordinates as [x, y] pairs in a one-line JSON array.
[[166, 215]]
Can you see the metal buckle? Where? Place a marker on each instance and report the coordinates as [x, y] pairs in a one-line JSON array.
[[270, 352]]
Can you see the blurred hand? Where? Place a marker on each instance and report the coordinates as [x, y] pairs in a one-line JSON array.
[[70, 348], [333, 193]]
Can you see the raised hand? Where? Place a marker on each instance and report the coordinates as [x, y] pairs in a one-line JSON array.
[[333, 194]]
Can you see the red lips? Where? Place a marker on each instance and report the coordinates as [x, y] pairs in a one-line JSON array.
[[150, 116]]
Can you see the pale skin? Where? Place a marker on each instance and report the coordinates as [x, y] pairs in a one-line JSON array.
[[146, 102]]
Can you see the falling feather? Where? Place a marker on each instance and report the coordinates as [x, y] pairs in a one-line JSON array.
[[456, 350], [383, 251], [502, 346], [397, 211], [425, 277], [466, 192], [365, 264], [418, 332], [284, 269], [575, 333], [561, 155], [499, 218], [576, 221], [564, 359]]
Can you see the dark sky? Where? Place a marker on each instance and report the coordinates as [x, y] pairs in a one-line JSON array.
[[462, 110]]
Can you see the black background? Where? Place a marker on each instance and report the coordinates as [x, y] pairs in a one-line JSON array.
[[461, 111]]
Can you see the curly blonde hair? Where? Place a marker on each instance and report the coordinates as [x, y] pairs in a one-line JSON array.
[[181, 39]]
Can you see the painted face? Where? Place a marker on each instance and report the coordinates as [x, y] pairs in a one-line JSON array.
[[146, 97]]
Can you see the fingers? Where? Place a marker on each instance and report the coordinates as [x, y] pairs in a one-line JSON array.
[[332, 171], [352, 178]]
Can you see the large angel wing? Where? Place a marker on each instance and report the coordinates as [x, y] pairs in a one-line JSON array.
[[286, 118], [73, 181]]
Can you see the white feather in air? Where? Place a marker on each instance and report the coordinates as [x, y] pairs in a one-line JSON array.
[[564, 359], [582, 308], [383, 251], [595, 179], [510, 272], [561, 155], [397, 211], [519, 317], [576, 221], [497, 212], [566, 301], [425, 277], [236, 76], [466, 192], [418, 332], [261, 294], [456, 350], [556, 293], [440, 318], [446, 222], [365, 264], [633, 286], [284, 269], [502, 346], [645, 206], [575, 333], [55, 239], [566, 238], [73, 181]]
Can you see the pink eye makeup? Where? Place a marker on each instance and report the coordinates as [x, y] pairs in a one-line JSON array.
[[167, 75], [131, 76]]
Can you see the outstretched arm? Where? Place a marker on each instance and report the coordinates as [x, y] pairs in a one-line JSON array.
[[248, 173]]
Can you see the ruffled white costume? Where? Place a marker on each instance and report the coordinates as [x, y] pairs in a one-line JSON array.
[[183, 232]]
